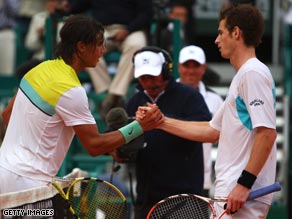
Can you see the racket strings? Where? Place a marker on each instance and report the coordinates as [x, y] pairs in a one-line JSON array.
[[94, 199], [182, 207]]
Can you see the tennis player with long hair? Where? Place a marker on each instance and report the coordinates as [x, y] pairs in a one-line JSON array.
[[245, 124], [51, 106]]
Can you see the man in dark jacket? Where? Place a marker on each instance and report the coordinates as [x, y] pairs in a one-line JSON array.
[[168, 164]]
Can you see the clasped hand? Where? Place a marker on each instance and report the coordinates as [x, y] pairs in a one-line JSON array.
[[149, 116]]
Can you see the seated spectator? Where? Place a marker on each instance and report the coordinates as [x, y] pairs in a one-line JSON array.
[[8, 14], [27, 9], [177, 10], [35, 38]]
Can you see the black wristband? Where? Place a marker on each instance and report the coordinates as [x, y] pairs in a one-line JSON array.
[[246, 179]]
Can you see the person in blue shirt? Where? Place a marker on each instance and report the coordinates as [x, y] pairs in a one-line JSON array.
[[8, 15], [168, 164]]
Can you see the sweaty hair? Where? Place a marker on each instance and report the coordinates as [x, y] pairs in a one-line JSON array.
[[248, 18], [78, 28]]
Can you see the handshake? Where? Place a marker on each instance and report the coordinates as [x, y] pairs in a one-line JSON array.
[[149, 117]]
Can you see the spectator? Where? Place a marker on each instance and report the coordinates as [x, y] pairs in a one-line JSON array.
[[168, 165], [8, 14], [27, 9], [191, 68], [178, 10], [190, 27], [36, 33], [126, 23], [35, 38]]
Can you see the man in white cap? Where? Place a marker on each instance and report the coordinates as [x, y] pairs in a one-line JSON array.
[[192, 67], [168, 165]]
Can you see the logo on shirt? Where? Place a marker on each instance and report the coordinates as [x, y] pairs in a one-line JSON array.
[[256, 102]]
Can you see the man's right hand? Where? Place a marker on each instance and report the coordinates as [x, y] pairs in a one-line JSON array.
[[149, 116]]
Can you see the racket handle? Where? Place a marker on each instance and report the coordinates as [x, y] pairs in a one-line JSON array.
[[264, 191]]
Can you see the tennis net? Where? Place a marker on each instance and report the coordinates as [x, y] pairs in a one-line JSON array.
[[38, 203]]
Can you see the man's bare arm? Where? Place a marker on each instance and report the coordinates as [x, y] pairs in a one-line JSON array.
[[263, 144], [191, 130], [7, 111], [96, 143]]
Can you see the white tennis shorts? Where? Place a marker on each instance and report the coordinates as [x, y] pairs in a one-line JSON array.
[[251, 209]]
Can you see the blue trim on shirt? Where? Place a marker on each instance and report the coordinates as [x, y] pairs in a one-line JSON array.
[[243, 113], [33, 96]]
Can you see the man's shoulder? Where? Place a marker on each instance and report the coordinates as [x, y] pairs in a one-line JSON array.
[[211, 91], [187, 93], [184, 87], [213, 94]]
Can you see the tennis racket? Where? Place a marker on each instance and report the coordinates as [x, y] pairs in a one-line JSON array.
[[197, 207], [92, 198]]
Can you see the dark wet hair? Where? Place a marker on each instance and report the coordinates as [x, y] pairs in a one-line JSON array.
[[78, 28], [248, 18]]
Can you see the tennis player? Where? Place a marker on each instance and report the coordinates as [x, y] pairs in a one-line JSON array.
[[245, 124], [51, 106]]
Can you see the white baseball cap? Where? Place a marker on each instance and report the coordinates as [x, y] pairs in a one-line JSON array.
[[192, 53], [148, 63]]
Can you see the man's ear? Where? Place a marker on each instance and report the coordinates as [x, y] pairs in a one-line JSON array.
[[80, 46], [236, 32], [204, 66]]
